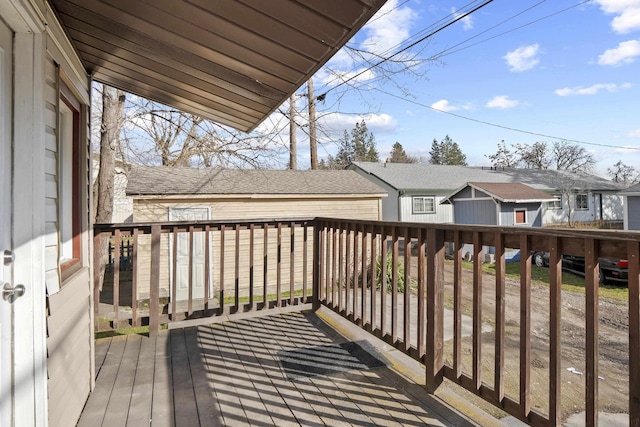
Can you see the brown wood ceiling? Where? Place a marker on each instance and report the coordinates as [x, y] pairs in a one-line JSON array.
[[231, 61]]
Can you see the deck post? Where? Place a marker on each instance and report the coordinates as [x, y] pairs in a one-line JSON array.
[[154, 293], [633, 256], [435, 309], [97, 280]]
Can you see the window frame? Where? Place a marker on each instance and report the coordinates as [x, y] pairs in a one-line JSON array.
[[424, 211], [72, 185], [556, 204], [578, 206]]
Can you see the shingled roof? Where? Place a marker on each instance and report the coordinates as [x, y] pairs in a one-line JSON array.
[[512, 192], [161, 180], [403, 176]]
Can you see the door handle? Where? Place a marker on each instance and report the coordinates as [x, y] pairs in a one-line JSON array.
[[10, 293]]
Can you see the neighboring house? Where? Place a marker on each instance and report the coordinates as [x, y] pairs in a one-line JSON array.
[[122, 205], [234, 64], [498, 203], [632, 207], [175, 194], [417, 190]]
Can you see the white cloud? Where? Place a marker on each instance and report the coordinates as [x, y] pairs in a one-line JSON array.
[[377, 123], [635, 133], [443, 105], [359, 76], [523, 58], [467, 21], [503, 102], [592, 90], [389, 27], [626, 52], [627, 13]]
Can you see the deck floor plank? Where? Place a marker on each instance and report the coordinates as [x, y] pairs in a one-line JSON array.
[[94, 411], [162, 400], [231, 374], [120, 401], [142, 393]]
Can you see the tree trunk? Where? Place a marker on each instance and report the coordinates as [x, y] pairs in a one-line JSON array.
[[313, 142], [112, 113]]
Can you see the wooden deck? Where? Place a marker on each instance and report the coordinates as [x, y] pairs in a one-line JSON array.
[[240, 373]]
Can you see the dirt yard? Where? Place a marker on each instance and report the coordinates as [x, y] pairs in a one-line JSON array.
[[613, 342]]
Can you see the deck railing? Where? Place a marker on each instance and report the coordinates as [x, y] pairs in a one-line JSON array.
[[397, 281]]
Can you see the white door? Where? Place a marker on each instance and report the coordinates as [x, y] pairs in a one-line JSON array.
[[6, 329], [182, 259]]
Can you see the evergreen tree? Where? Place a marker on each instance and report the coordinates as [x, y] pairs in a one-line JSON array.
[[446, 152], [359, 146]]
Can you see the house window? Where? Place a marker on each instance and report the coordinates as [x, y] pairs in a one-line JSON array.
[[520, 216], [69, 189], [582, 202], [424, 204], [556, 204]]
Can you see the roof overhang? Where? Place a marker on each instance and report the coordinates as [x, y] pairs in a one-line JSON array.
[[231, 61]]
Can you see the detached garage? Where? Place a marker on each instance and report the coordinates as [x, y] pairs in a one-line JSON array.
[[162, 194]]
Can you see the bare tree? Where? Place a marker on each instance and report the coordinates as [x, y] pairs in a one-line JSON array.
[[534, 156], [623, 174], [113, 101], [504, 157], [560, 155], [572, 157]]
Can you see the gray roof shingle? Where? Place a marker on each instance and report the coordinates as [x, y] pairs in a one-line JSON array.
[[416, 176], [634, 189], [162, 180], [512, 192]]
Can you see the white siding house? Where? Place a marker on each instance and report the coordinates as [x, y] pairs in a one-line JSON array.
[[417, 190], [632, 207]]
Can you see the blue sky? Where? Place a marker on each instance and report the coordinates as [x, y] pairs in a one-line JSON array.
[[574, 74]]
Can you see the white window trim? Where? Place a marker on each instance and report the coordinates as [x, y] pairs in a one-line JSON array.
[[414, 211], [578, 208], [557, 204], [515, 216]]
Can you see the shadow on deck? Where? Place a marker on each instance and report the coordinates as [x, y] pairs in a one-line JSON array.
[[286, 369]]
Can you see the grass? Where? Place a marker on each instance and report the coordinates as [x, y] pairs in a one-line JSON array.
[[133, 330], [570, 282], [258, 298]]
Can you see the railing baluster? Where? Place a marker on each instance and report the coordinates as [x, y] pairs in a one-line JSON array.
[[457, 304], [207, 267], [394, 285], [341, 278], [116, 279], [252, 302], [292, 263], [154, 291], [477, 310], [591, 275], [174, 280], [555, 308], [372, 288], [334, 278], [279, 267], [191, 283], [98, 281], [435, 308], [221, 269], [134, 279], [348, 277], [363, 289], [236, 279], [525, 326], [406, 323], [421, 293], [305, 261], [500, 316], [265, 268], [317, 264], [633, 257], [383, 282], [356, 279]]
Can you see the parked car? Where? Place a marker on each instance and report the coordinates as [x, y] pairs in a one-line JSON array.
[[612, 270]]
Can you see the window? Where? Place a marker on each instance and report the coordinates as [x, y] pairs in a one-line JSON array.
[[582, 202], [69, 187], [520, 216], [424, 204], [556, 204]]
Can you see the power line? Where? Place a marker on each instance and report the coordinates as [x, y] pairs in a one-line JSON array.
[[577, 141]]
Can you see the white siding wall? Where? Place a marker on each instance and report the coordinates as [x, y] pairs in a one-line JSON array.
[[443, 214], [69, 326]]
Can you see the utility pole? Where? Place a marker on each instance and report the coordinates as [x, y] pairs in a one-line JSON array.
[[293, 149], [313, 142]]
